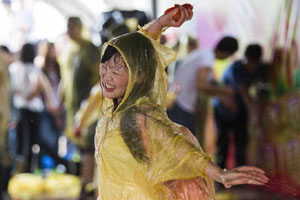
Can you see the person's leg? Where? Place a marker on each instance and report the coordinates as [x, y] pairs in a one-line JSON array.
[[87, 167], [5, 176], [33, 137], [23, 149], [5, 162], [222, 140], [2, 187], [49, 137], [201, 116], [240, 131], [179, 116], [20, 134], [88, 163]]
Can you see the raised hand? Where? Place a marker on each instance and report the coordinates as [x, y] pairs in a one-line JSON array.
[[176, 16], [173, 17]]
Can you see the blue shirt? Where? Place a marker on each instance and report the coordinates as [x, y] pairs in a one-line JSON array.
[[236, 75]]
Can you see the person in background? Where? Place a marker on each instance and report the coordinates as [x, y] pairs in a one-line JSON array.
[[28, 83], [234, 117], [79, 66], [192, 44], [51, 125], [6, 58], [194, 77]]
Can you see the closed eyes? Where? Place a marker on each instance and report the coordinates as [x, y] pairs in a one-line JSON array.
[[114, 70], [116, 64]]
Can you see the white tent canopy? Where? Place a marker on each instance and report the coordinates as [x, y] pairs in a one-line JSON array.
[[249, 20]]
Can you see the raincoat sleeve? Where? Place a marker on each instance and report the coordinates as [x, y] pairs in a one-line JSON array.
[[89, 112], [144, 31], [86, 116], [173, 152]]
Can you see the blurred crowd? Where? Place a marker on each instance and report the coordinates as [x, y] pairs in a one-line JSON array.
[[50, 99]]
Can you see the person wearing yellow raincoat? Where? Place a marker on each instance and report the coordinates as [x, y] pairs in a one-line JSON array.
[[5, 105], [6, 58], [141, 154]]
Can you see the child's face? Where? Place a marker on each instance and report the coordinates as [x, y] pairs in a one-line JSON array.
[[114, 77]]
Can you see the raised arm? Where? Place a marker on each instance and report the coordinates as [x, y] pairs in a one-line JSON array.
[[88, 113], [205, 86], [175, 155]]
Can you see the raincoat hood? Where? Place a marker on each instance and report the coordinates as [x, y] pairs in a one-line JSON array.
[[146, 60]]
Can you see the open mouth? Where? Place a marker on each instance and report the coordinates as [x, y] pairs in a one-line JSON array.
[[108, 87]]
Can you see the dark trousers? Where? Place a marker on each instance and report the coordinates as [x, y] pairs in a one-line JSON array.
[[179, 116], [5, 176], [240, 133], [27, 135]]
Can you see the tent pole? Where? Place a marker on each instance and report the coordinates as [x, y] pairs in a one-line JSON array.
[[154, 9]]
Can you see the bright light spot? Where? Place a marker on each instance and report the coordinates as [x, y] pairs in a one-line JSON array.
[[48, 22]]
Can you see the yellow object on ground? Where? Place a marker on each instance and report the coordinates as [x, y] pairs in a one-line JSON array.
[[62, 186], [26, 187]]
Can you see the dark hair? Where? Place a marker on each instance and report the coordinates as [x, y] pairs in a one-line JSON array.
[[49, 61], [119, 29], [132, 135], [28, 53], [192, 41], [109, 52], [4, 48], [141, 60], [74, 20], [253, 52], [228, 44]]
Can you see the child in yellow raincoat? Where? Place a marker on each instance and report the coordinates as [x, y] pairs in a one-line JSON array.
[[141, 154]]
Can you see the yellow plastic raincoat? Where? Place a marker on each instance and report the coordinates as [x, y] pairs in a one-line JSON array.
[[141, 154], [4, 110], [79, 71], [89, 110]]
